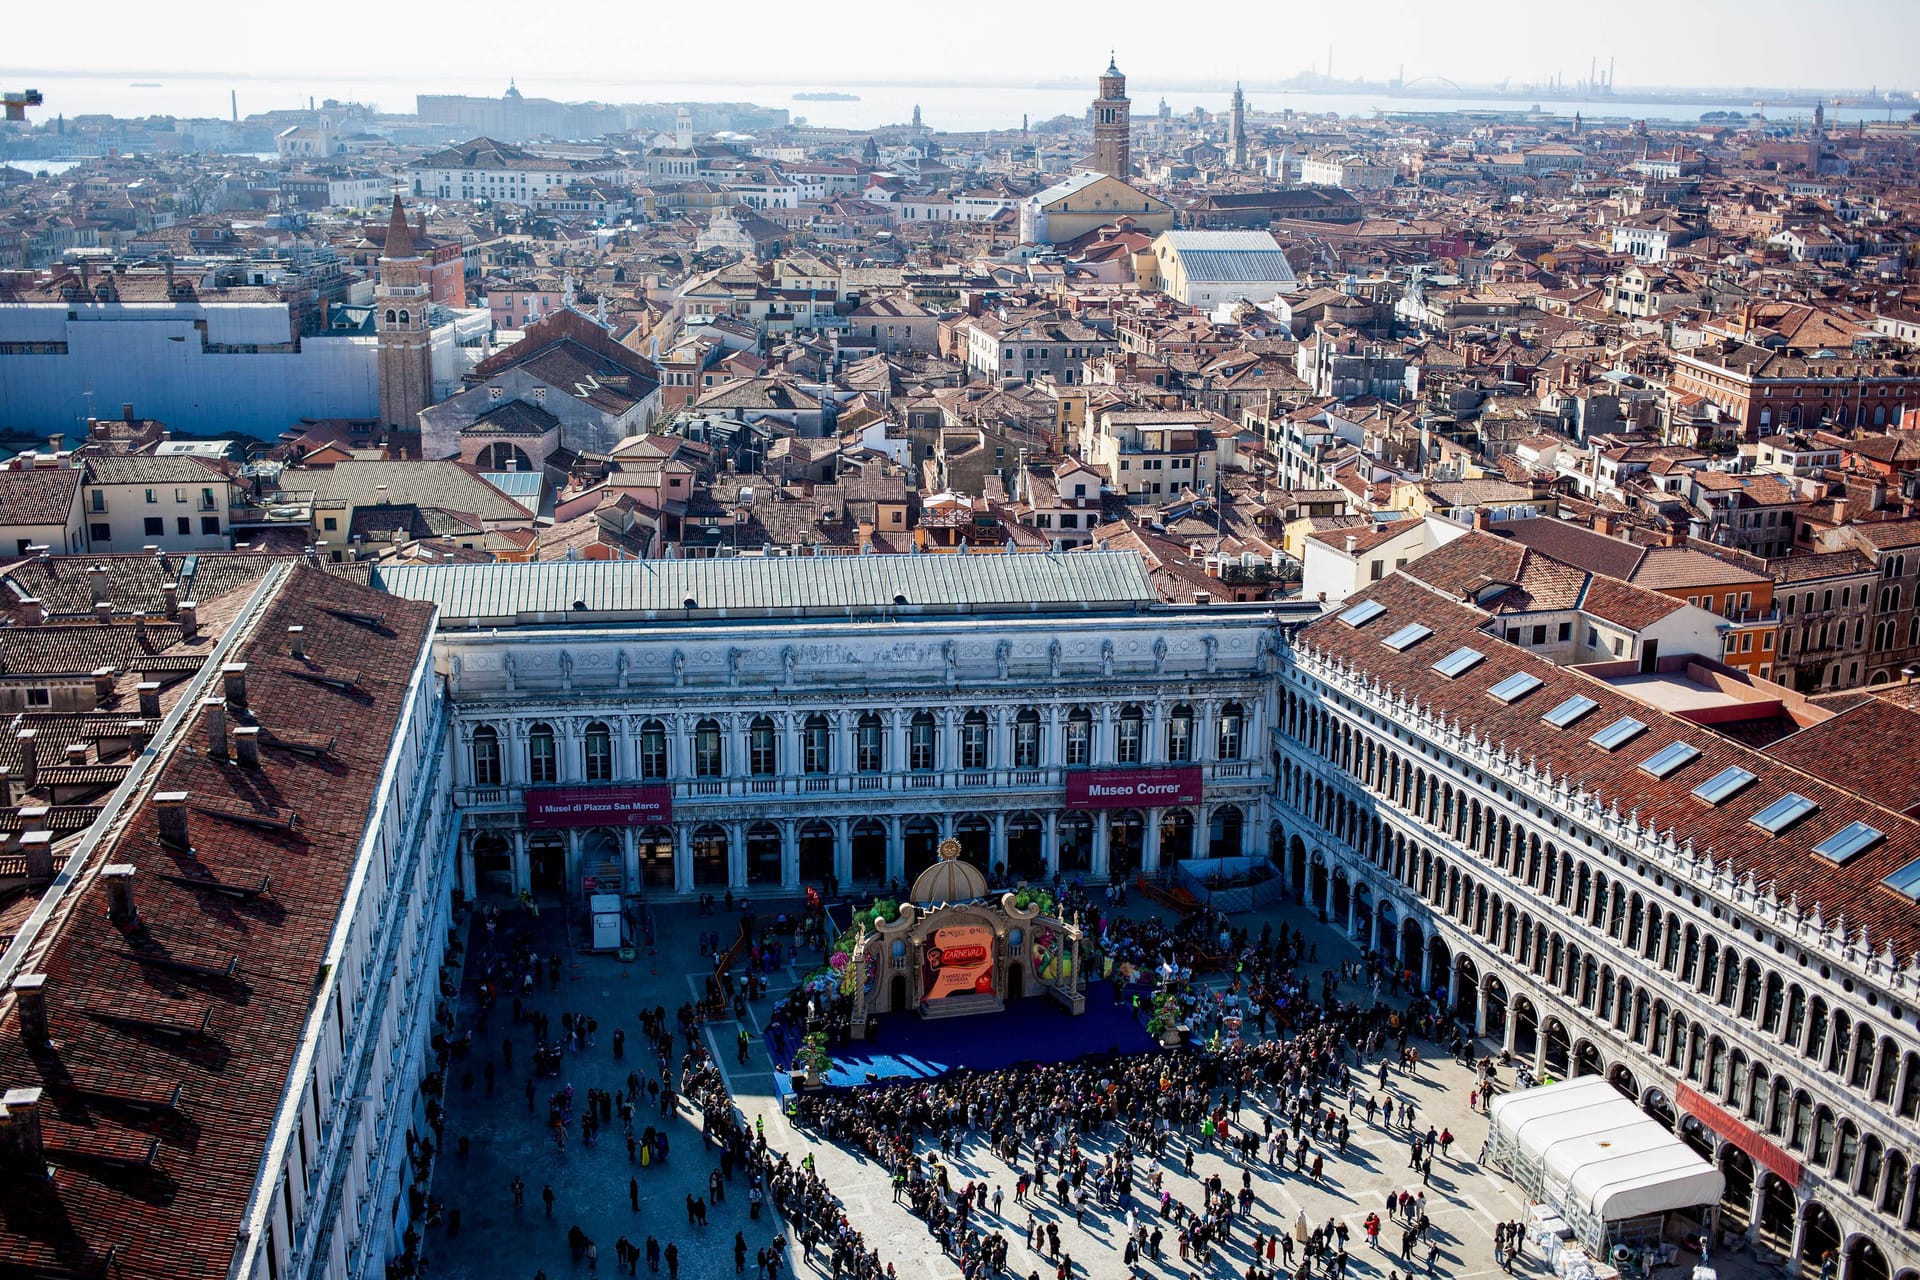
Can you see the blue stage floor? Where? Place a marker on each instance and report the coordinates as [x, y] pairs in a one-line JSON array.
[[1033, 1029]]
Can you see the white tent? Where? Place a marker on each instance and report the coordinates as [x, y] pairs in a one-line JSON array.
[[1600, 1158]]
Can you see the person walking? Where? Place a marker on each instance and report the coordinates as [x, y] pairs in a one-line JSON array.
[[546, 1194], [519, 1191], [633, 1193], [673, 1261]]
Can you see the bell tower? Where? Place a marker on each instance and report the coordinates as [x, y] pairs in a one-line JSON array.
[[1112, 125], [401, 301], [1237, 138]]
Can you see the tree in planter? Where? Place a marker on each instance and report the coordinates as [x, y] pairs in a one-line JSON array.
[[813, 1057]]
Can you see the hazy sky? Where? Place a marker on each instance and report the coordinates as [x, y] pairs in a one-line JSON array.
[[1822, 43]]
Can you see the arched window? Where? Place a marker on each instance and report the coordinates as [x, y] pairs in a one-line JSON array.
[[486, 757], [542, 765], [405, 318], [1026, 740], [1180, 734], [390, 315], [763, 750], [1132, 730], [816, 746], [653, 751], [870, 744], [709, 750], [1079, 736], [597, 753], [973, 740], [922, 743], [1800, 1127]]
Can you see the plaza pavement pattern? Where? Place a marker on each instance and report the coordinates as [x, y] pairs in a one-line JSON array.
[[504, 1139]]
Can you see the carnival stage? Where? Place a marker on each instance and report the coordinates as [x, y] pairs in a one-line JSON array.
[[909, 1047]]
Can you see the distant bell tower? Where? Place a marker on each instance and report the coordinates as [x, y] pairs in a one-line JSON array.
[[683, 129], [1112, 125], [1238, 137], [401, 301]]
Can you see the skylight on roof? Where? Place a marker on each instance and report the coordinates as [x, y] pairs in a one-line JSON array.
[[1569, 711], [1515, 687], [1854, 838], [1363, 613], [1906, 880], [1407, 637], [1669, 758], [1783, 813], [1724, 785], [1619, 733], [1459, 662]]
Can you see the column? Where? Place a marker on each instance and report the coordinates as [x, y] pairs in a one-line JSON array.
[[1757, 1198], [1050, 841], [997, 839], [789, 723], [1102, 861], [570, 874], [680, 745], [466, 867], [789, 854], [1101, 751], [1906, 1201], [1480, 1009], [896, 740], [1203, 731], [1000, 738], [1353, 910], [896, 848], [1053, 749], [843, 850], [682, 858], [945, 821], [1150, 844], [736, 855], [630, 860], [1799, 1235], [1426, 977], [522, 874]]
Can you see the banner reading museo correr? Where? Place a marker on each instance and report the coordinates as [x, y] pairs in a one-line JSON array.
[[958, 959]]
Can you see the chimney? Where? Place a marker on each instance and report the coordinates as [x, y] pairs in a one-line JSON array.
[[150, 699], [160, 558], [234, 674], [119, 878], [97, 582], [246, 746], [1603, 524], [20, 1148], [103, 685], [29, 758], [140, 627], [76, 755], [380, 494], [1353, 544], [213, 711], [126, 411], [297, 641], [138, 735], [189, 619], [32, 612], [103, 611], [1482, 519], [172, 808], [37, 848], [170, 592], [1203, 597], [30, 998], [6, 790]]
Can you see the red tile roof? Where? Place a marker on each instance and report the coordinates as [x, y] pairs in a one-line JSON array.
[[165, 1071]]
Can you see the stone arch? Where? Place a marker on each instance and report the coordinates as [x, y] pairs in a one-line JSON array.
[[1494, 996], [816, 851], [765, 854], [599, 858], [1226, 831], [1026, 846], [1526, 1028], [920, 842], [1586, 1058], [1464, 987], [1556, 1047], [1736, 1205], [710, 849], [656, 851], [1820, 1237], [1864, 1260], [868, 849], [1621, 1077]]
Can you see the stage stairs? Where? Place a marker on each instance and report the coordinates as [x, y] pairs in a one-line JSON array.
[[962, 1005]]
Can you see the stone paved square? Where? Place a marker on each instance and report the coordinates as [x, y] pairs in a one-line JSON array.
[[505, 1137]]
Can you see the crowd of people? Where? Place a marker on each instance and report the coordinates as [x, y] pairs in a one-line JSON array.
[[1277, 1099]]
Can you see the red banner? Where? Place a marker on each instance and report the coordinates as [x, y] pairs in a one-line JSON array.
[[958, 960], [1765, 1153], [551, 807], [1133, 788]]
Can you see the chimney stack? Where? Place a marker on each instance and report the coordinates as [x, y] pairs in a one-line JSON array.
[[97, 582], [103, 685], [37, 848], [297, 638], [29, 758], [235, 676], [160, 558], [119, 878], [150, 699], [30, 998], [76, 754], [246, 746], [214, 712], [1353, 544], [32, 612], [170, 592], [103, 611], [6, 789], [380, 495], [189, 619], [172, 809], [20, 1146]]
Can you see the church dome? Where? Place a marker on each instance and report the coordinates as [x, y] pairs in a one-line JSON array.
[[950, 879]]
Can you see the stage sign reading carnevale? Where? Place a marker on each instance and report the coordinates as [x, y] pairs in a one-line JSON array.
[[549, 807], [1133, 788], [958, 961]]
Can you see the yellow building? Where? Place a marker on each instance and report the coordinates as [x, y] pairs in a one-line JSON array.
[[1085, 200]]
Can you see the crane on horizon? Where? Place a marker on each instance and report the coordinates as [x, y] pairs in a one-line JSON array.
[[17, 102]]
